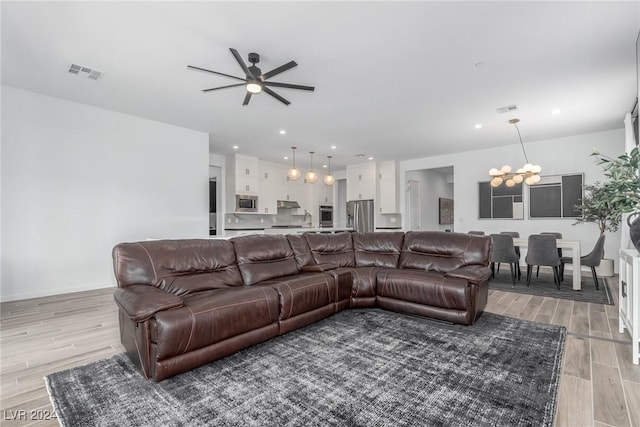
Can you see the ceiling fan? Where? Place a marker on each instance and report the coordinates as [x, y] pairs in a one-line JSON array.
[[256, 82]]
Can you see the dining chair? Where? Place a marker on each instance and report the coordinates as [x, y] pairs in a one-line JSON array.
[[478, 233], [543, 250], [592, 259], [557, 236], [517, 249], [504, 251]]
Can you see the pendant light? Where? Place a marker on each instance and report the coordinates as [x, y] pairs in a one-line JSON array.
[[294, 172], [311, 175], [329, 179], [528, 173]]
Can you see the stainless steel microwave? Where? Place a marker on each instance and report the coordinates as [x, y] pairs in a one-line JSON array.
[[246, 203]]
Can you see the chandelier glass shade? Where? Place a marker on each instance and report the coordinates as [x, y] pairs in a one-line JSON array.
[[329, 179], [294, 172], [529, 173], [311, 175]]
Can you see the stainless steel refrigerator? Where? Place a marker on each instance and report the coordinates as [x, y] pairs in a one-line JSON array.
[[360, 215]]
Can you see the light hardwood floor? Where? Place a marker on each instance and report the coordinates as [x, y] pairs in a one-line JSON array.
[[599, 385]]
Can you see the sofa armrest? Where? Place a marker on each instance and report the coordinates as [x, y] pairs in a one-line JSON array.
[[471, 273], [140, 302], [318, 267]]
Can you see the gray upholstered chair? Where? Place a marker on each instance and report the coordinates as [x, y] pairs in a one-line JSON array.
[[517, 249], [503, 251], [592, 259], [543, 250], [479, 233], [557, 236]]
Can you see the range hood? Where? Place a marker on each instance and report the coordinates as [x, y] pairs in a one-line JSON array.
[[288, 204]]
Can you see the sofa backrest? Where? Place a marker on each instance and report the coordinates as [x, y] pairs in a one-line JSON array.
[[301, 251], [377, 249], [442, 251], [177, 266], [263, 257], [331, 248]]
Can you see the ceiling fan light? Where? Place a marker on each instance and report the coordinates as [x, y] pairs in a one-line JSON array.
[[253, 87]]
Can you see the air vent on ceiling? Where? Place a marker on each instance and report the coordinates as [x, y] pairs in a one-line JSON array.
[[507, 109], [79, 70], [360, 155]]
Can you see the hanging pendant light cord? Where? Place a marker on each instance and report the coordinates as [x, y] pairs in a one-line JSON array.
[[521, 143]]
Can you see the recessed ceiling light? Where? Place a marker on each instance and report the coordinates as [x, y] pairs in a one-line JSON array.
[[370, 158], [555, 111], [324, 166], [333, 147], [286, 157], [478, 126], [235, 147], [283, 132]]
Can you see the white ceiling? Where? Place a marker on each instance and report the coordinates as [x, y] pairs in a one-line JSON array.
[[394, 80]]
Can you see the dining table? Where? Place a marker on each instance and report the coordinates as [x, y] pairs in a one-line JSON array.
[[574, 245]]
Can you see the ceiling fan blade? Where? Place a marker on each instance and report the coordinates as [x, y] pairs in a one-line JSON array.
[[214, 72], [242, 64], [280, 69], [247, 98], [275, 95], [289, 86], [222, 87]]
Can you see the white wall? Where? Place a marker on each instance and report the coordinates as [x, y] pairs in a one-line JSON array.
[[556, 156], [76, 180], [433, 185]]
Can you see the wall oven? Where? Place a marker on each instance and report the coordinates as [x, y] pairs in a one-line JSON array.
[[246, 203], [325, 216]]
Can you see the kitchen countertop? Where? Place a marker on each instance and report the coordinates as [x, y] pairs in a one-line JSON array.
[[306, 230]]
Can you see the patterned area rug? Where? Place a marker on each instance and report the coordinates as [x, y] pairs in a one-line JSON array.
[[357, 368], [543, 286]]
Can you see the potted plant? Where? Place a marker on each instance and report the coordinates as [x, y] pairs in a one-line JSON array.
[[622, 189], [597, 207]]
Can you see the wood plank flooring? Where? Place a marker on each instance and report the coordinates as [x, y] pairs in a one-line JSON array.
[[599, 384]]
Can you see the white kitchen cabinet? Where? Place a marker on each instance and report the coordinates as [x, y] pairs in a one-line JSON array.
[[241, 178], [388, 201], [361, 181], [271, 180]]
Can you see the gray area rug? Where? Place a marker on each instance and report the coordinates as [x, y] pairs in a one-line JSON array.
[[543, 286], [357, 368]]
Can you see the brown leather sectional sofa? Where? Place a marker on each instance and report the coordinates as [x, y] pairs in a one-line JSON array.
[[185, 303]]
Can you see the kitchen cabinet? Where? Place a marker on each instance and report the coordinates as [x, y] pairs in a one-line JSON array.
[[361, 181], [271, 185], [388, 200], [241, 178]]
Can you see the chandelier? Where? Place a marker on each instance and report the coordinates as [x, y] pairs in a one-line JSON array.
[[529, 173]]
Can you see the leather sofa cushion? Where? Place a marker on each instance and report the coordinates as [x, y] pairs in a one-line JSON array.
[[301, 251], [425, 287], [178, 267], [303, 292], [212, 316], [377, 249], [443, 252], [331, 248], [264, 257]]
